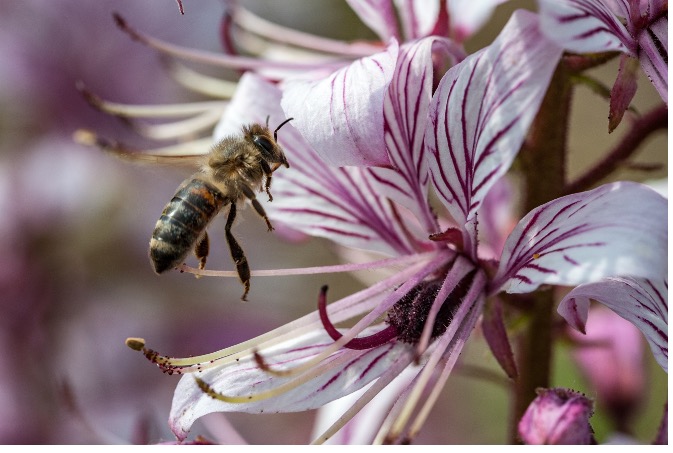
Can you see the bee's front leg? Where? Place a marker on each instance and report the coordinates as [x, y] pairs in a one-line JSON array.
[[267, 172], [247, 191], [237, 253]]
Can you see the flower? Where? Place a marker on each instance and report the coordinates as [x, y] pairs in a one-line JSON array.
[[400, 137], [557, 417], [586, 26]]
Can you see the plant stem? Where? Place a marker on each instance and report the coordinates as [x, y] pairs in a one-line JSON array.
[[641, 128], [543, 161]]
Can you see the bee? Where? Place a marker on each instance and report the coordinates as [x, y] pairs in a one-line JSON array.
[[234, 169]]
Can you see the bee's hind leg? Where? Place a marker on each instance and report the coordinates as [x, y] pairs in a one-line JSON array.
[[201, 250], [237, 253], [247, 191]]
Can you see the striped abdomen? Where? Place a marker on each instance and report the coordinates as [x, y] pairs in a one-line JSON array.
[[183, 221]]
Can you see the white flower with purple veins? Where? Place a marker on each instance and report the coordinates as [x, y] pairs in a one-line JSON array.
[[460, 138], [637, 28]]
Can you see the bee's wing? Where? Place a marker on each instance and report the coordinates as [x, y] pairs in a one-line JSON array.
[[189, 154]]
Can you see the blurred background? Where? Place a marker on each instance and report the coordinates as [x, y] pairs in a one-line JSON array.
[[75, 280]]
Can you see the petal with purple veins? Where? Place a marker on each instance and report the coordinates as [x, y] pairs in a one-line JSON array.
[[584, 26], [643, 302], [615, 230], [341, 116], [481, 112], [342, 373]]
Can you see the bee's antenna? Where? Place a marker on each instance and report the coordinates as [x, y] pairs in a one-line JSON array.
[[267, 121], [275, 133]]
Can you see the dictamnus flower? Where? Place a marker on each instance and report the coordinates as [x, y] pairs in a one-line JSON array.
[[368, 142]]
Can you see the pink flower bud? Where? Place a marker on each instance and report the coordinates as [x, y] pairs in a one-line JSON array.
[[557, 417]]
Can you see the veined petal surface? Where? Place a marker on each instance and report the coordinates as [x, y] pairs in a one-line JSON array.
[[341, 116], [342, 204], [584, 26], [481, 112], [643, 302], [615, 230], [340, 374]]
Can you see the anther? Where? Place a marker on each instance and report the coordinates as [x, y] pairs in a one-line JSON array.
[[137, 344]]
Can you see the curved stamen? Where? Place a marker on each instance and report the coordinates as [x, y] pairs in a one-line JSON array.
[[200, 83], [372, 341], [146, 111], [222, 60], [274, 32]]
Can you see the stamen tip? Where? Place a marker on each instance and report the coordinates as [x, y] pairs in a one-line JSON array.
[[137, 344], [85, 137]]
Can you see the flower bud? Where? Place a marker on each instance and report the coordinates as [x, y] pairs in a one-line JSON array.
[[557, 417]]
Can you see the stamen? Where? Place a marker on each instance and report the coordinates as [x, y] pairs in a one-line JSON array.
[[388, 262], [174, 130], [308, 375], [344, 309], [198, 82], [147, 111], [261, 27], [182, 11], [264, 366], [189, 153], [223, 60], [386, 378], [464, 318], [372, 341]]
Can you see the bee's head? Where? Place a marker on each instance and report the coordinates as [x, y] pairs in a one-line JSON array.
[[267, 144]]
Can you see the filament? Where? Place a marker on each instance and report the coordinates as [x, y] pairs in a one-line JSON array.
[[394, 371], [146, 111], [223, 60], [198, 82], [466, 307], [343, 309], [388, 262], [274, 32]]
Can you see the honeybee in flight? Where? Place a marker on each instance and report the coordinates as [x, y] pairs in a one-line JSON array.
[[233, 170]]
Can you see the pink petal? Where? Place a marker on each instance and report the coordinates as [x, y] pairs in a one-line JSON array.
[[617, 229], [643, 302], [481, 112], [341, 116]]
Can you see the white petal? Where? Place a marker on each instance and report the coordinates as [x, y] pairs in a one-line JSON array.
[[243, 378], [341, 116], [642, 302], [584, 26], [617, 229], [481, 113]]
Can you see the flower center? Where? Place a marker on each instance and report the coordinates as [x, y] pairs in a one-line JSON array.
[[409, 315]]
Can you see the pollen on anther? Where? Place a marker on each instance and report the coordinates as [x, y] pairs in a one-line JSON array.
[[137, 344], [536, 256]]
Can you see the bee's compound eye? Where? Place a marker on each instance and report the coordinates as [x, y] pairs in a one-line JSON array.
[[264, 144]]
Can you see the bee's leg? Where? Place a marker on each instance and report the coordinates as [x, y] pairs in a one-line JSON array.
[[237, 253], [201, 250], [247, 191], [267, 172]]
